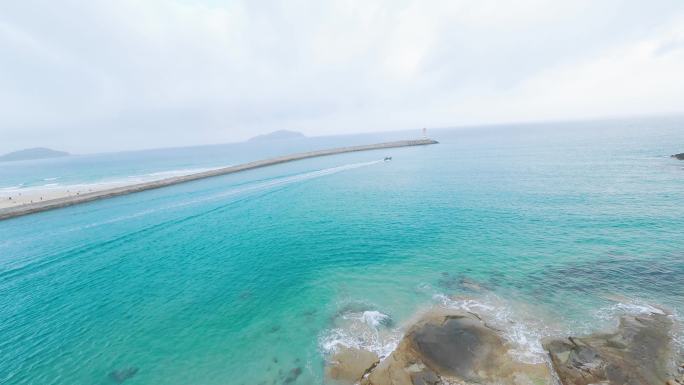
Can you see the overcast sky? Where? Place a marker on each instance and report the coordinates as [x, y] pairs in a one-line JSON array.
[[97, 75]]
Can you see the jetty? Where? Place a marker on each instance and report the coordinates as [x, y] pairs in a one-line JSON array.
[[30, 208]]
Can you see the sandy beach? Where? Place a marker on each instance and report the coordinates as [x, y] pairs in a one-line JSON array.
[[22, 202], [19, 197]]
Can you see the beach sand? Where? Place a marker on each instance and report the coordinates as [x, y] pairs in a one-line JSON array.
[[18, 197]]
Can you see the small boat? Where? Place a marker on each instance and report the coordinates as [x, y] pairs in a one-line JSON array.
[[388, 158]]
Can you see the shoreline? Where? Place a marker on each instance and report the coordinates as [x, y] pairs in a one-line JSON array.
[[445, 344], [51, 204], [17, 196]]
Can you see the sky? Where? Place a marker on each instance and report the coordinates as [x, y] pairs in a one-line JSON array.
[[106, 75]]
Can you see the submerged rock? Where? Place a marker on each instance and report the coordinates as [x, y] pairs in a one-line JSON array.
[[454, 347], [638, 353], [122, 375], [678, 156], [292, 375], [349, 365], [458, 283]]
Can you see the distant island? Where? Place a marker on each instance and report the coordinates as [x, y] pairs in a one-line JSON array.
[[679, 156], [277, 135], [33, 153]]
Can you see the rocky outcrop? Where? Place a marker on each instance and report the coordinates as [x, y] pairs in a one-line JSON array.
[[349, 365], [678, 156], [638, 353], [454, 347]]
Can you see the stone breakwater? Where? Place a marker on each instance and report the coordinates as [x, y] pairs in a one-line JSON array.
[[457, 347], [113, 192]]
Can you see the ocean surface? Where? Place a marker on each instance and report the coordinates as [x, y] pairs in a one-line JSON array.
[[256, 277]]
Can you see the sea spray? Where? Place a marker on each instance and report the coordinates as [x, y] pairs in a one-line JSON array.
[[367, 329]]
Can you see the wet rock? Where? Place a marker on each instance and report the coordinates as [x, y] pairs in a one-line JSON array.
[[454, 347], [349, 365], [638, 353], [459, 345], [426, 377], [121, 375], [678, 156]]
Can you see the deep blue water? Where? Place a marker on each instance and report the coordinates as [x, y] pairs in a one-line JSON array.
[[245, 278]]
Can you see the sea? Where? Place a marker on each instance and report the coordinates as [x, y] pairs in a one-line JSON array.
[[258, 277]]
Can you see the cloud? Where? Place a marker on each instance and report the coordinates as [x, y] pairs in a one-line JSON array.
[[106, 75]]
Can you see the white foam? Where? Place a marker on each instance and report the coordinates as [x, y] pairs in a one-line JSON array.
[[627, 306], [10, 188], [631, 306], [362, 330], [372, 318], [522, 332]]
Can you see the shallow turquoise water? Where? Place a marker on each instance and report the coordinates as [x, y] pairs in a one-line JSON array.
[[246, 278]]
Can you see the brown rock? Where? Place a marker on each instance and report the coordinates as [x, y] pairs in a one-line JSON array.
[[460, 346], [348, 365], [638, 353], [454, 347]]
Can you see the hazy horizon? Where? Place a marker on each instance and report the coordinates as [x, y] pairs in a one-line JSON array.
[[129, 75], [410, 133]]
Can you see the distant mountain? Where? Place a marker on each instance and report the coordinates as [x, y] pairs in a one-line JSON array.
[[277, 135], [32, 153]]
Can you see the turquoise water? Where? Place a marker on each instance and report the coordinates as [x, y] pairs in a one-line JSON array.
[[252, 278], [134, 166]]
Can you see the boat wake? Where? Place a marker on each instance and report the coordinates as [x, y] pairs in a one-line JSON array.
[[242, 190]]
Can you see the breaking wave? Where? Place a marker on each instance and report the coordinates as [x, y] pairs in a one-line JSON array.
[[523, 332], [361, 326]]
